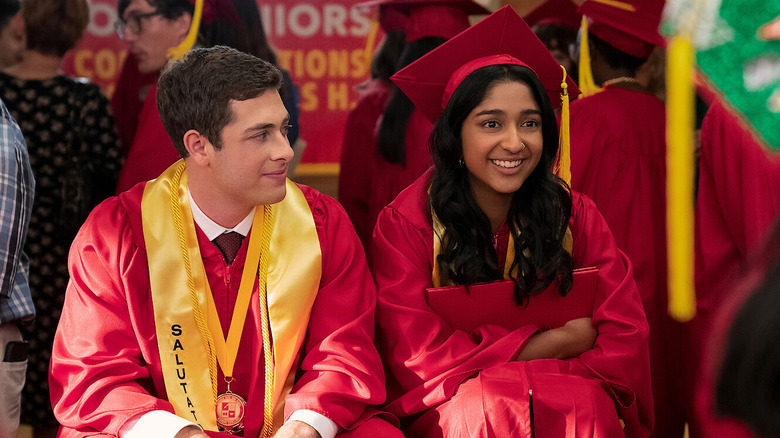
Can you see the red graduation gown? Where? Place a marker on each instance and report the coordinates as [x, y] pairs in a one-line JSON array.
[[705, 423], [105, 365], [618, 159], [367, 182], [738, 201], [127, 100], [455, 378], [358, 155], [152, 150]]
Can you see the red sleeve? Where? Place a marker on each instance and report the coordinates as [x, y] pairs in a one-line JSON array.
[[621, 354], [710, 424], [427, 359], [358, 155], [341, 370], [98, 382], [738, 200]]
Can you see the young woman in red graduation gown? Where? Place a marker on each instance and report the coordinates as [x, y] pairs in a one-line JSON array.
[[493, 147]]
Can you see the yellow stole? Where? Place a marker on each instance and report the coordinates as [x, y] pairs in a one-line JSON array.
[[438, 235], [179, 289]]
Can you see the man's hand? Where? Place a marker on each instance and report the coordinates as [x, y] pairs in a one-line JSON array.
[[191, 432], [574, 338], [297, 429]]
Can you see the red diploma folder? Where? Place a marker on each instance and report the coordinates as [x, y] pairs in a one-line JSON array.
[[494, 303]]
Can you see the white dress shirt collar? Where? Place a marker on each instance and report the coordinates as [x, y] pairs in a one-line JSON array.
[[213, 229]]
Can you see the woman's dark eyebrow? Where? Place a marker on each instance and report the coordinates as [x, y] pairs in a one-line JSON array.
[[498, 111], [489, 112]]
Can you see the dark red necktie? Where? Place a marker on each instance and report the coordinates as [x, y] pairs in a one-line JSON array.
[[229, 243]]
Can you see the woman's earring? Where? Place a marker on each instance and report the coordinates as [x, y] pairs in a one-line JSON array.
[[462, 163]]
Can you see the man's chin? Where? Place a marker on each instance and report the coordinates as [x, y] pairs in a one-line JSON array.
[[145, 67], [268, 195]]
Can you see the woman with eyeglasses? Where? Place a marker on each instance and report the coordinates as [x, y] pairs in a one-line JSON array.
[[75, 156]]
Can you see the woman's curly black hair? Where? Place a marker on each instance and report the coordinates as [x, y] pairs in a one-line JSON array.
[[539, 213]]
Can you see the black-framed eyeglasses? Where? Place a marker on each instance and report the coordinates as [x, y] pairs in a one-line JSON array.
[[133, 23]]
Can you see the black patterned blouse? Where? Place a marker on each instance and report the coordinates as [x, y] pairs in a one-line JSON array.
[[64, 121]]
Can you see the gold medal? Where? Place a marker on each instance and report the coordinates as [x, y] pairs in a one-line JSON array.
[[230, 411]]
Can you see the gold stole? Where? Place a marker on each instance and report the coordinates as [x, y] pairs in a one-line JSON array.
[[438, 235], [294, 271]]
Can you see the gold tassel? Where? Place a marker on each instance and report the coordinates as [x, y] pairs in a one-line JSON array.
[[178, 52], [587, 84], [564, 142], [680, 175]]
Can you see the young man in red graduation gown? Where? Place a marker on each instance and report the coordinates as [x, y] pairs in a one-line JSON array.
[[162, 333], [618, 155], [367, 180]]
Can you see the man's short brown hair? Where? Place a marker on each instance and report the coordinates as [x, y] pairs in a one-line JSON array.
[[195, 93]]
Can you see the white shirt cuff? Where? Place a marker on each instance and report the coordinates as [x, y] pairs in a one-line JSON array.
[[154, 423], [322, 424]]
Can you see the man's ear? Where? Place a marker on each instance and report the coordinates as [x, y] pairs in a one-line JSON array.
[[182, 26], [17, 24], [198, 147]]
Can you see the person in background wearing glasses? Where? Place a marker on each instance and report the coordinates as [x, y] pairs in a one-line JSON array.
[[151, 29], [136, 77]]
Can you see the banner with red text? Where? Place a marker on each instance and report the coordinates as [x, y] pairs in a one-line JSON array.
[[321, 43]]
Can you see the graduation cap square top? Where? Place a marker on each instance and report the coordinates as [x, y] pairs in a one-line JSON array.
[[501, 38], [426, 18], [629, 25]]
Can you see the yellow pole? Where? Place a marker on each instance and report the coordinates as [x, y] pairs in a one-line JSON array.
[[680, 175]]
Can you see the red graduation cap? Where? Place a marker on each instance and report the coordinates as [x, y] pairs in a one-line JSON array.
[[501, 38], [629, 25], [555, 12], [424, 18]]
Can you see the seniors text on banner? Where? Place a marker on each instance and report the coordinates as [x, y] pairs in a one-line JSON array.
[[321, 44]]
